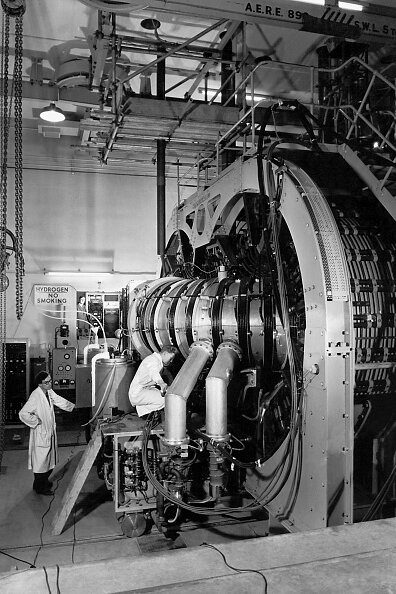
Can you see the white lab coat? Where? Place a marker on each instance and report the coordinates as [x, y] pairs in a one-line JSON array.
[[143, 392], [43, 446]]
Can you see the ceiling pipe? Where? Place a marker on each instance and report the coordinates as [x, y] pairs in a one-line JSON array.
[[161, 215], [161, 163]]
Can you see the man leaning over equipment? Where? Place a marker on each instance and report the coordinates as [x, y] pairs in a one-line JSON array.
[[148, 388]]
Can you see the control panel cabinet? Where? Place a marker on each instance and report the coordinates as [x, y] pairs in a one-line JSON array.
[[64, 368]]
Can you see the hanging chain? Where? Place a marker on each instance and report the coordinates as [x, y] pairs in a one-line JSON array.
[[14, 8], [3, 215], [5, 132], [19, 262]]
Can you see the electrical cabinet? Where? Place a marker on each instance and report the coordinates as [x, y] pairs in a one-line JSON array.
[[111, 313], [95, 310], [104, 310], [83, 386], [16, 377]]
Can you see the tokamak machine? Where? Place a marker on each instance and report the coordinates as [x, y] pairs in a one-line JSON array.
[[278, 290]]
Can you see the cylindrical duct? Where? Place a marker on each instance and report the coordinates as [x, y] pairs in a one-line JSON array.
[[178, 392], [217, 380]]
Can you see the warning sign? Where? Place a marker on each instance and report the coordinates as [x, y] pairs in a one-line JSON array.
[[50, 295]]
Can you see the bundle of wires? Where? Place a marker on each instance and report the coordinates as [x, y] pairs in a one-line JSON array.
[[379, 500], [176, 500]]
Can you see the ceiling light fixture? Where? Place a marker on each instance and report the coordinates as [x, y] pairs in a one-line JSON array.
[[150, 24], [75, 273], [52, 113]]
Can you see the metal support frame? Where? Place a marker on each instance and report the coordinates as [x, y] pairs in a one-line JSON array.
[[324, 492]]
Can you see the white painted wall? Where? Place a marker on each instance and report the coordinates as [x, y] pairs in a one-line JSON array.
[[87, 221]]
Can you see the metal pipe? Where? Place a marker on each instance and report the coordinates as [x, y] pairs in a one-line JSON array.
[[178, 392], [114, 66], [161, 222], [227, 75], [109, 145], [161, 74], [217, 382], [161, 150]]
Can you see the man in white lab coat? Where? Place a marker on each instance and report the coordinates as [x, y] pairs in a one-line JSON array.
[[147, 388], [38, 414]]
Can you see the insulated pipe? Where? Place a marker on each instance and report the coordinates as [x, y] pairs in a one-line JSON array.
[[178, 392], [218, 378]]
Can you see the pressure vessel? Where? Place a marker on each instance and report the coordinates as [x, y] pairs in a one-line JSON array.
[[112, 380]]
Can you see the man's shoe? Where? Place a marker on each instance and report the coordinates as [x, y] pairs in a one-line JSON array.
[[46, 492]]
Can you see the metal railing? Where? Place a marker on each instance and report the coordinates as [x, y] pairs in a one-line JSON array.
[[348, 119]]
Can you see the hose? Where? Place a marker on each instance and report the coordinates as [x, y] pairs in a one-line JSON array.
[[165, 493]]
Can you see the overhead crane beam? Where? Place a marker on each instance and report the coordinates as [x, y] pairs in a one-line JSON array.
[[374, 25]]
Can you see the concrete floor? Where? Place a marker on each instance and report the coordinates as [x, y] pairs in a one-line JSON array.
[[92, 531], [93, 555]]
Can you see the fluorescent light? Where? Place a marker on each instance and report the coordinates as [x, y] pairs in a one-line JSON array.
[[343, 5], [211, 92], [75, 273], [317, 2], [350, 6], [52, 114]]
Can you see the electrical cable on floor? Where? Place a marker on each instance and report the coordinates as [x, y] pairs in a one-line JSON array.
[[31, 566], [57, 579], [46, 580], [42, 525], [74, 533], [17, 559], [53, 497], [239, 570], [7, 575]]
